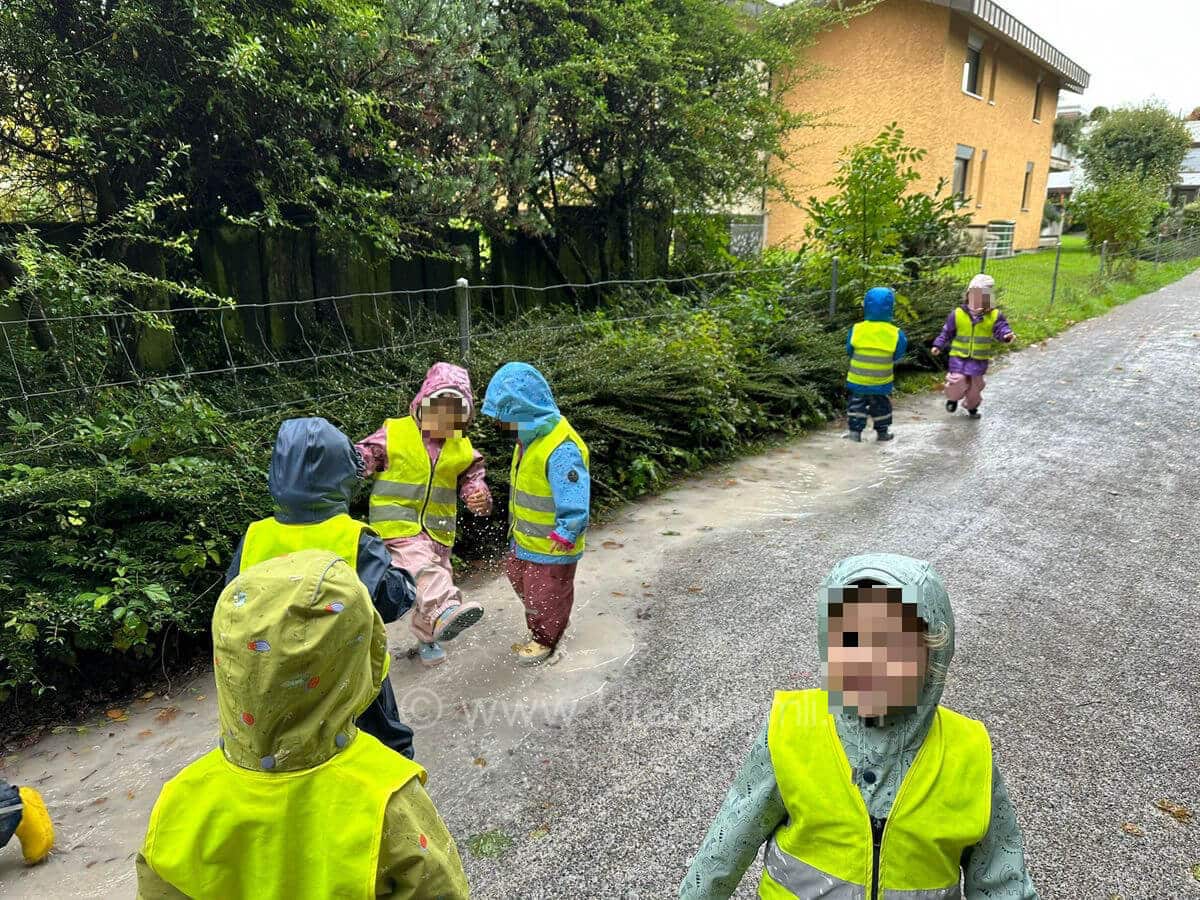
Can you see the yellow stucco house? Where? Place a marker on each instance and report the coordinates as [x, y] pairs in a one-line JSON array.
[[967, 82]]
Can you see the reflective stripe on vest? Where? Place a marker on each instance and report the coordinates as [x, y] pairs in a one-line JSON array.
[[826, 848], [217, 830], [411, 495], [531, 512], [872, 361], [268, 538], [973, 341]]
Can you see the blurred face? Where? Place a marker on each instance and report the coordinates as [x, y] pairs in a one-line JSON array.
[[877, 653], [979, 299], [443, 418]]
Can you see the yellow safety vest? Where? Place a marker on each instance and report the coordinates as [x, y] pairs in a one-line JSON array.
[[973, 341], [411, 495], [872, 361], [269, 538], [827, 846], [223, 832], [531, 502]]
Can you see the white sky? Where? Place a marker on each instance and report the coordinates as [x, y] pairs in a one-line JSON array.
[[1134, 51]]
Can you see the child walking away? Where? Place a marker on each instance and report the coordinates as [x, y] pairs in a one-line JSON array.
[[23, 813], [971, 332], [874, 347], [314, 471], [422, 464], [297, 803], [869, 788], [549, 500]]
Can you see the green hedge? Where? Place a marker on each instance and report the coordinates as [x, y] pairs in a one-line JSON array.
[[120, 514]]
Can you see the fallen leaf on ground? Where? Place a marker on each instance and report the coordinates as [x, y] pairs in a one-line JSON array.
[[147, 695], [490, 844], [618, 593], [540, 832], [612, 545], [99, 801], [167, 713], [1130, 828], [1196, 871], [480, 761], [730, 482], [129, 794], [671, 533], [694, 589], [1175, 810], [145, 734], [117, 715], [201, 697], [58, 729]]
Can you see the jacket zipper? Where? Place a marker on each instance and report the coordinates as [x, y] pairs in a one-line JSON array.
[[428, 493], [877, 827]]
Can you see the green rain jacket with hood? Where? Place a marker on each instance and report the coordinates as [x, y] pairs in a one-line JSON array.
[[753, 809], [307, 675]]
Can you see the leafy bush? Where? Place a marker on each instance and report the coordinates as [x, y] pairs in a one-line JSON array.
[[1149, 140], [1120, 210], [880, 230]]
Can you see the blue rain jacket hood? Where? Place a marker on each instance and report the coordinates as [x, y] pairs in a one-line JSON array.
[[889, 736], [519, 393], [879, 305], [314, 471]]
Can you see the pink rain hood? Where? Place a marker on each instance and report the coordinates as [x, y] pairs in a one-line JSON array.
[[441, 379]]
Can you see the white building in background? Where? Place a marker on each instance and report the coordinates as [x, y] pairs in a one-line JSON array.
[[1187, 188]]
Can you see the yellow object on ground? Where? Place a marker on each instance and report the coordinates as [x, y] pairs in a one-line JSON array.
[[36, 831]]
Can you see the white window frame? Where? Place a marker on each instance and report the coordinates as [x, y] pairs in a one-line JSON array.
[[965, 154], [974, 44]]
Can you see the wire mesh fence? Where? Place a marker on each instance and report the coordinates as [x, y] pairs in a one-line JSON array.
[[262, 358]]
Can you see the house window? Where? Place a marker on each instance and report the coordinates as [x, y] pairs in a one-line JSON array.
[[973, 67], [1037, 100], [962, 171], [1028, 187]]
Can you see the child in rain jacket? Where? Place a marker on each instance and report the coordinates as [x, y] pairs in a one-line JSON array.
[[549, 498], [421, 465], [971, 332], [874, 346], [314, 471], [23, 813], [870, 789], [297, 803]]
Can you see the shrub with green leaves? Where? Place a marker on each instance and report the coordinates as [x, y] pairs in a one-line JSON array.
[[1120, 210]]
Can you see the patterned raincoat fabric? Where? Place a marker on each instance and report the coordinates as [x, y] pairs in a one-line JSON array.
[[880, 754], [299, 652]]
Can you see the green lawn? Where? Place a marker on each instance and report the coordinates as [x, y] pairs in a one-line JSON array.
[[1023, 286]]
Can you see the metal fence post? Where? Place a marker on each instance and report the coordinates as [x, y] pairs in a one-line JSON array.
[[983, 261], [1054, 281], [1157, 249], [462, 296], [1104, 259], [833, 288]]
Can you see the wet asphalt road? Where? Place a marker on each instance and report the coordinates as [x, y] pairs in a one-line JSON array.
[[1065, 524]]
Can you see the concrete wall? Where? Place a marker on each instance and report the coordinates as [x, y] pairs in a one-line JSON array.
[[903, 62]]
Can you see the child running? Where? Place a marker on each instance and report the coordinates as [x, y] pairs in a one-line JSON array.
[[869, 788], [874, 347], [314, 471], [296, 803], [548, 506], [971, 332], [422, 464], [23, 813]]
